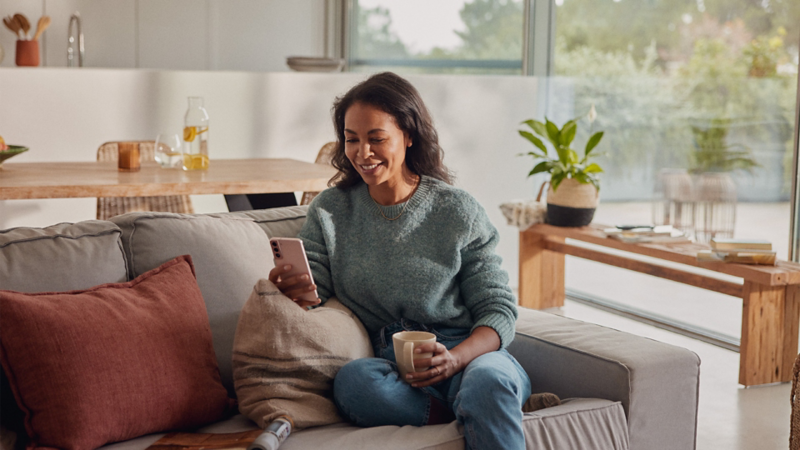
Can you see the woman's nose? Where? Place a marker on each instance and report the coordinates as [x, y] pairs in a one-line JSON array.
[[364, 151]]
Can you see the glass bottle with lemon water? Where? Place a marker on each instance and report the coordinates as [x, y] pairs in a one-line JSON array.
[[195, 135]]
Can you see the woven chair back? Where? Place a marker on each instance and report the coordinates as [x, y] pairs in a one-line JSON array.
[[324, 156], [113, 206]]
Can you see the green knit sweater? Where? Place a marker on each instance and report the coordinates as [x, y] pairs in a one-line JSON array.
[[435, 264]]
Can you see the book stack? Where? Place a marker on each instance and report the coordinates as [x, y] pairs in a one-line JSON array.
[[640, 234], [742, 251]]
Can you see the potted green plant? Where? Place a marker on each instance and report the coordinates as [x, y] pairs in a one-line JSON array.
[[574, 186]]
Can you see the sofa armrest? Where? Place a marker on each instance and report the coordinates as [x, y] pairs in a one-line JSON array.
[[657, 383]]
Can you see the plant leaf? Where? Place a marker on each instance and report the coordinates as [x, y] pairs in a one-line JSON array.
[[593, 141], [581, 178], [537, 127], [553, 133], [572, 156], [593, 168], [556, 180], [534, 140], [544, 166], [568, 133]]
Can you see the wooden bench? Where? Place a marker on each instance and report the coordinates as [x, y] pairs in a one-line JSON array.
[[770, 294]]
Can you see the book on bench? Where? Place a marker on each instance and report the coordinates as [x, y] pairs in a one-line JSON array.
[[740, 244], [764, 257]]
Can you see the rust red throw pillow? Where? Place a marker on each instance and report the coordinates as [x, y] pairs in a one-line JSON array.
[[112, 362]]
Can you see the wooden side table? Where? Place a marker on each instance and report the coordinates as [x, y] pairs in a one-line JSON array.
[[770, 294]]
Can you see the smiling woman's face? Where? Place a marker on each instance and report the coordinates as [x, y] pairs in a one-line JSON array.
[[376, 147]]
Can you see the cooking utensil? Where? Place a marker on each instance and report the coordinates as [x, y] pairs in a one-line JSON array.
[[24, 24], [12, 25], [42, 25]]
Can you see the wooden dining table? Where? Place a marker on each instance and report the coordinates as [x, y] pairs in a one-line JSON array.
[[38, 180]]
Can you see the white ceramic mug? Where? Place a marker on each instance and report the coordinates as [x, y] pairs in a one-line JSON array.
[[404, 344]]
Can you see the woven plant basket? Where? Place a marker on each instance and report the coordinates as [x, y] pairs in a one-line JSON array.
[[572, 205]]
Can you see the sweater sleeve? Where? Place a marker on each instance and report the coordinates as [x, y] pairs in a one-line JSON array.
[[484, 284], [313, 238]]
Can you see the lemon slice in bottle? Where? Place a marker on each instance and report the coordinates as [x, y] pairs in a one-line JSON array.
[[189, 133]]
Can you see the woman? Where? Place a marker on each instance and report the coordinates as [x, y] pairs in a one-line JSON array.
[[405, 250]]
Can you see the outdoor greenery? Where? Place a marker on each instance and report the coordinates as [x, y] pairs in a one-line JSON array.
[[659, 71], [565, 163], [712, 153]]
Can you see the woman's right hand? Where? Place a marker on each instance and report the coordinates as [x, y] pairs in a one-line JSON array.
[[293, 286]]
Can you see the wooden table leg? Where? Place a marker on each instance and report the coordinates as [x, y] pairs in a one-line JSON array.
[[770, 317], [541, 273]]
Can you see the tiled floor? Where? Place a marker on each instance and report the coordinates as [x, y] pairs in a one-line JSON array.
[[731, 417]]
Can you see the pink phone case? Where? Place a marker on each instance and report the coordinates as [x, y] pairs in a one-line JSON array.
[[291, 251]]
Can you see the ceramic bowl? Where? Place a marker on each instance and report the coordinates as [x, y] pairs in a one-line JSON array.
[[307, 64], [12, 150]]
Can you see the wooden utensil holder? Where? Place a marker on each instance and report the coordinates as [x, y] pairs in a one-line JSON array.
[[27, 53]]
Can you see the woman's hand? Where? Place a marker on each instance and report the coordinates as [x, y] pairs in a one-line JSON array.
[[293, 286], [443, 365]]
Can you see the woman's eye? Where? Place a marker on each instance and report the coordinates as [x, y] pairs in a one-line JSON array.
[[377, 141], [351, 140]]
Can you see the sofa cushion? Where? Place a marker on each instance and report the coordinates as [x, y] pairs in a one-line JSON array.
[[285, 358], [575, 424], [230, 255], [576, 359], [276, 222], [61, 257], [112, 362]]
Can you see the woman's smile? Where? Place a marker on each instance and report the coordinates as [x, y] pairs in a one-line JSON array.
[[376, 147]]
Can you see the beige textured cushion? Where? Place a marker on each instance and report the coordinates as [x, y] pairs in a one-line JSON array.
[[285, 358]]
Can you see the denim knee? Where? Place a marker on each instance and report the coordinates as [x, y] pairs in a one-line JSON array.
[[369, 393]]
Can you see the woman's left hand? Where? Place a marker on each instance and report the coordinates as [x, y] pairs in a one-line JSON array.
[[443, 365]]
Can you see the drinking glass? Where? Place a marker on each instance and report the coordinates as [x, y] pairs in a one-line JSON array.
[[168, 151]]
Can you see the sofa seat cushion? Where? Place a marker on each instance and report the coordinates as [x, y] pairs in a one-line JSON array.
[[230, 255], [576, 423], [113, 362]]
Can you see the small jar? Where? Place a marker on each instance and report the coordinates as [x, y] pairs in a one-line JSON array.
[[128, 158]]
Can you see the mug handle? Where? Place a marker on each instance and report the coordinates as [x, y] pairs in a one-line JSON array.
[[408, 353]]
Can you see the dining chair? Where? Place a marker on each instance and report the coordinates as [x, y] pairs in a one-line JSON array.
[[324, 156], [113, 206]]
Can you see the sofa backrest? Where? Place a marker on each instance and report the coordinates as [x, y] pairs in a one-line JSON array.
[[61, 257], [230, 252]]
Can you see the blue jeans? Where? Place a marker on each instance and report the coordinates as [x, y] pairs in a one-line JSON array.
[[486, 397]]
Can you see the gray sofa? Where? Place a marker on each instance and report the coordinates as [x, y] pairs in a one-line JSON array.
[[621, 391]]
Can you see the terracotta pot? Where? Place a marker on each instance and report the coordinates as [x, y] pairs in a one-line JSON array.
[[571, 205], [27, 53]]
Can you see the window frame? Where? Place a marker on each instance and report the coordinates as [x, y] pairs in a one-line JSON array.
[[538, 41]]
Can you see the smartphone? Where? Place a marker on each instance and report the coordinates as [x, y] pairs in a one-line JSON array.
[[291, 251]]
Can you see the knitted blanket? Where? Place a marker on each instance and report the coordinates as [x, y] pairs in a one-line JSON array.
[[285, 358]]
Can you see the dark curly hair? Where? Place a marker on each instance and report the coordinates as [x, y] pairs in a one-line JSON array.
[[393, 95]]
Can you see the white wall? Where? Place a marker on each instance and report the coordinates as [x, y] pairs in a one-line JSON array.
[[67, 114], [249, 35]]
